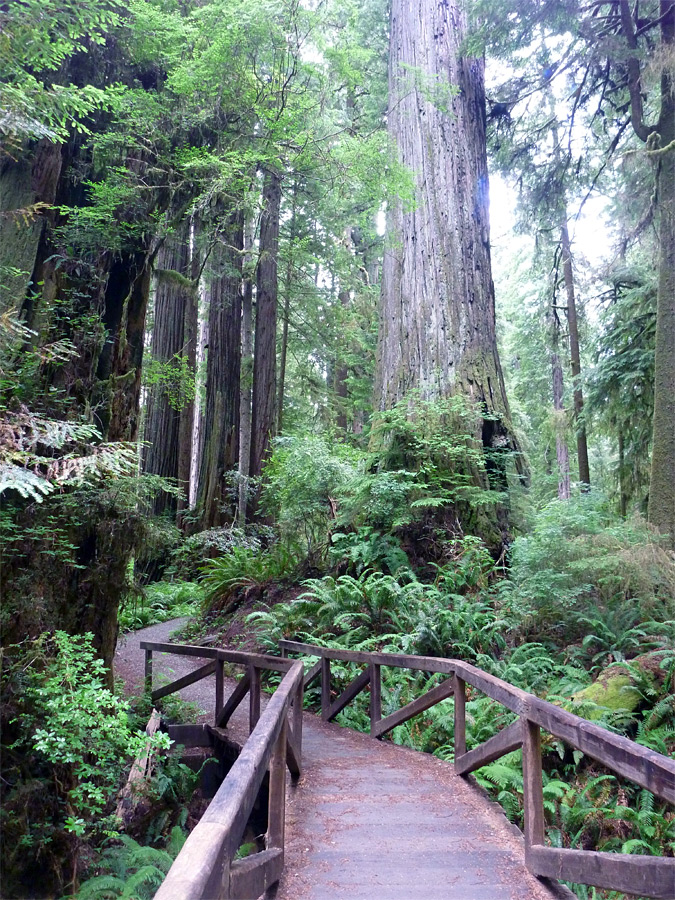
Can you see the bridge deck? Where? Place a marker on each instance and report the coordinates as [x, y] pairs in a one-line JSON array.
[[372, 821]]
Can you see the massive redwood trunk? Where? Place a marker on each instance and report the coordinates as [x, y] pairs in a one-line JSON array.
[[221, 419], [265, 358], [437, 325], [437, 319]]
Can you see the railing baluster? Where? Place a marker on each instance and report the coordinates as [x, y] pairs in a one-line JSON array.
[[533, 792], [375, 696], [220, 688], [276, 819], [298, 700], [325, 687], [148, 671], [254, 697], [460, 717]]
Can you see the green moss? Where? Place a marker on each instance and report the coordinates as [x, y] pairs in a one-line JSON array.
[[614, 690]]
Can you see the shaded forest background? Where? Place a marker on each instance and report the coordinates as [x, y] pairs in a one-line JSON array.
[[260, 364]]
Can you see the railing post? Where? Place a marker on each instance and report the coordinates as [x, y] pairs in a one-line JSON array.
[[460, 716], [284, 653], [148, 671], [325, 687], [298, 701], [276, 820], [375, 696], [533, 793], [254, 697], [220, 686]]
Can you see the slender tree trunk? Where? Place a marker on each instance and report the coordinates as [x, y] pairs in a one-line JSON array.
[[163, 412], [561, 448], [662, 481], [437, 319], [288, 283], [189, 353], [568, 274], [246, 382], [223, 367], [264, 365], [623, 493]]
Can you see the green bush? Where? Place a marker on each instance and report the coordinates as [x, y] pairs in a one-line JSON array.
[[160, 602], [243, 568], [189, 557]]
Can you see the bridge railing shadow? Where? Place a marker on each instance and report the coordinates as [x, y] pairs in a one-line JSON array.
[[646, 876]]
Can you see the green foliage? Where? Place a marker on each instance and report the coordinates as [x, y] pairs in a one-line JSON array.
[[242, 569], [190, 556], [72, 736], [576, 559], [367, 548], [160, 602]]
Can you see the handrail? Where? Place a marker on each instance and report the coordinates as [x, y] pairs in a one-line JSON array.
[[206, 868], [648, 876]]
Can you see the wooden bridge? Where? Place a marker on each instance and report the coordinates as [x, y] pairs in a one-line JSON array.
[[369, 819]]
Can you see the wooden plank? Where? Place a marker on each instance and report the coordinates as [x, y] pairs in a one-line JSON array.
[[396, 660], [510, 697], [325, 687], [181, 649], [254, 697], [190, 735], [190, 678], [645, 767], [352, 690], [233, 701], [276, 817], [508, 739], [460, 718], [375, 697], [426, 701], [238, 657], [312, 674], [533, 792], [252, 876], [646, 876]]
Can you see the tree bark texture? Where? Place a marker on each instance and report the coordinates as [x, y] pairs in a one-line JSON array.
[[163, 413], [265, 358], [437, 317], [246, 379], [575, 356], [561, 448], [223, 365], [662, 481]]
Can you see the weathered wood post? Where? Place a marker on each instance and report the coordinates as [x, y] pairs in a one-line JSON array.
[[220, 688], [298, 701], [375, 696], [460, 716], [325, 687], [533, 792], [277, 794], [148, 671], [254, 696]]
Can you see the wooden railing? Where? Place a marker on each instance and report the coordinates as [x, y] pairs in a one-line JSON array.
[[206, 868], [647, 876]]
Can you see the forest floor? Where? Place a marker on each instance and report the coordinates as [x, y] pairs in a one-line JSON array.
[[370, 819]]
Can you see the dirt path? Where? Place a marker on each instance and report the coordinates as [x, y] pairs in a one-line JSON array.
[[369, 820]]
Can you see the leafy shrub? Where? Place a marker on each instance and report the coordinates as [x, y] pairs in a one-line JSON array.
[[576, 560], [73, 737], [367, 548], [188, 558], [243, 568], [160, 602]]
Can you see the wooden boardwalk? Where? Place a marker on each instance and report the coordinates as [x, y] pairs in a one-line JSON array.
[[372, 821], [368, 820]]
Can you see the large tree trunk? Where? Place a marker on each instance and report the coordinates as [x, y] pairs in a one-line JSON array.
[[285, 316], [223, 365], [662, 480], [173, 296], [265, 359], [437, 319]]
